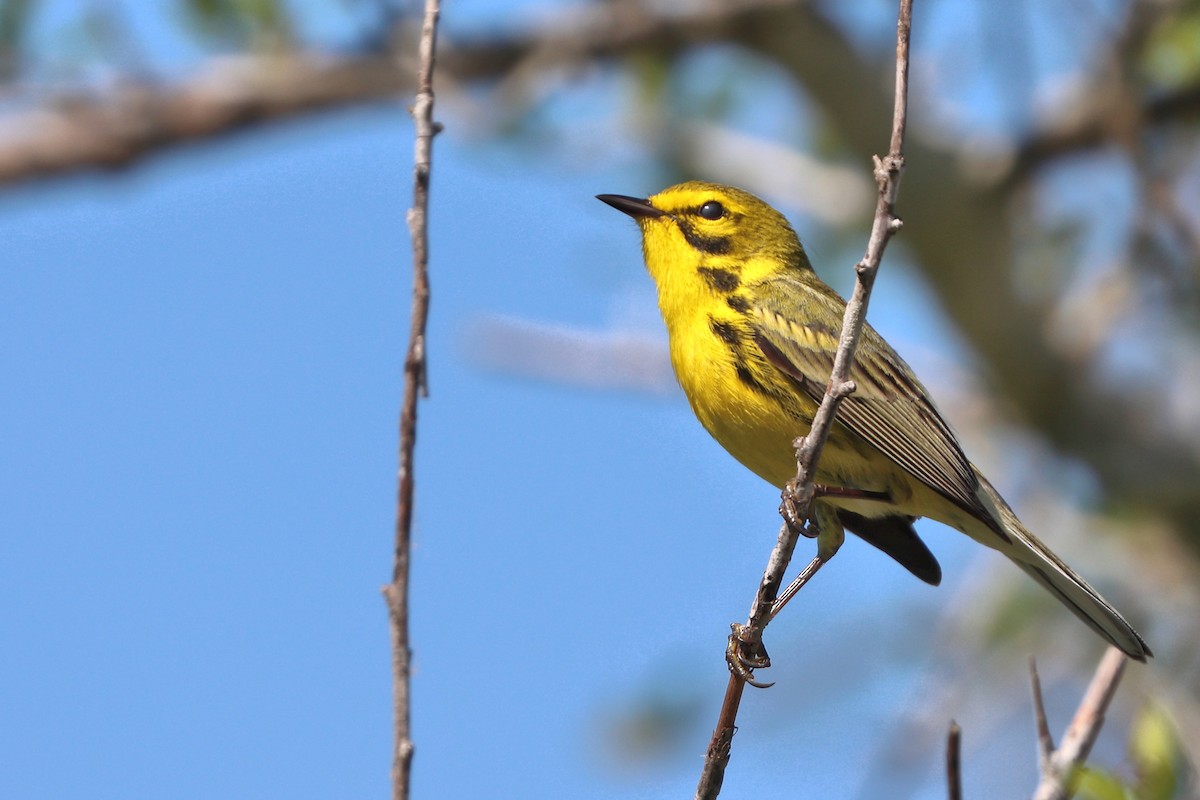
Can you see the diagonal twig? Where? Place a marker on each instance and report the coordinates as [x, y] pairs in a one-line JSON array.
[[1045, 740], [1059, 767], [415, 386], [749, 637]]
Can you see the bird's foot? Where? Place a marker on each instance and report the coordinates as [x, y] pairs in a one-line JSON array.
[[793, 497], [744, 657]]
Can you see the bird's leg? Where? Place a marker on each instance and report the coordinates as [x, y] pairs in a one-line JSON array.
[[804, 577], [823, 525], [746, 656], [847, 493], [830, 534], [793, 497]]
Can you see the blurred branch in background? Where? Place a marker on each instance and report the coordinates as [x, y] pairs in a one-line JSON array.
[[604, 359], [119, 126]]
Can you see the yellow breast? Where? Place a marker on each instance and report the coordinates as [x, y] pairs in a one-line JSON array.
[[741, 400]]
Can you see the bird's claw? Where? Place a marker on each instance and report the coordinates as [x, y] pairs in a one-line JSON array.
[[744, 657], [789, 509]]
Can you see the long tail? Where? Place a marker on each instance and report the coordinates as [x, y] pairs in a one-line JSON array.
[[1061, 581]]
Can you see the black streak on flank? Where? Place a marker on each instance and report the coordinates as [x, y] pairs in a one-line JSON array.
[[747, 377], [724, 331], [738, 303], [721, 280]]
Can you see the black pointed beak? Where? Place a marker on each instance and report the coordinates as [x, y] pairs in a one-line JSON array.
[[633, 206]]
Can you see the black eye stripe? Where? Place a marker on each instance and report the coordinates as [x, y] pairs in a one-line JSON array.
[[716, 245]]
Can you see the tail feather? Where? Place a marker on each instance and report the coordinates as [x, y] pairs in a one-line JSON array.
[[895, 536], [1060, 580]]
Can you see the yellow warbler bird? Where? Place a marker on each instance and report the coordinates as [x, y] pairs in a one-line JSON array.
[[753, 332]]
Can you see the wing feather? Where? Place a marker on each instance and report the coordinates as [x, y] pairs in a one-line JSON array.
[[890, 409]]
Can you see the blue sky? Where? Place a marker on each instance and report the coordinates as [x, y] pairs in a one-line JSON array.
[[202, 358]]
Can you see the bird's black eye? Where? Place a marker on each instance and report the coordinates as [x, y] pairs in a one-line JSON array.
[[712, 210]]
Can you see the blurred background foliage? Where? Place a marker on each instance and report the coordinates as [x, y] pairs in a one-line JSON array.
[[1052, 207]]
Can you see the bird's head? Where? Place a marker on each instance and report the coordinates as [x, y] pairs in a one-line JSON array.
[[698, 224]]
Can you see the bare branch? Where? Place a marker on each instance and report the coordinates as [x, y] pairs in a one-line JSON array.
[[415, 386], [1058, 770], [746, 649], [954, 762], [1045, 740]]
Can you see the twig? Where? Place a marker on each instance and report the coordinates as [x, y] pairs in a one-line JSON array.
[[954, 762], [415, 386], [1058, 769], [748, 638], [1045, 740]]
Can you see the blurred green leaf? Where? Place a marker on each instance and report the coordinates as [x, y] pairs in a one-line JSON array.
[[1155, 753], [1172, 54], [14, 16], [14, 22], [242, 23], [1095, 784]]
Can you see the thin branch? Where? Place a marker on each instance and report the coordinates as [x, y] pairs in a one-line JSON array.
[[954, 762], [1045, 740], [746, 643], [1059, 769], [415, 386]]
